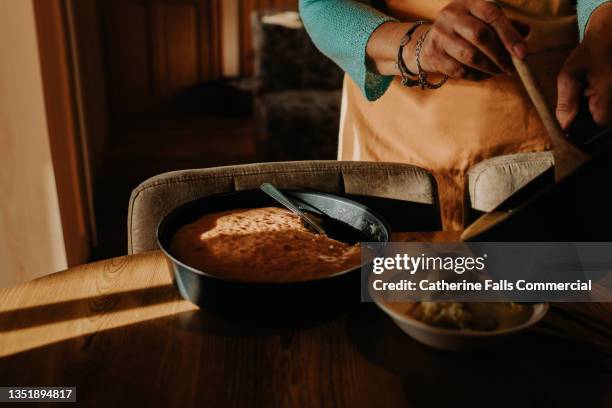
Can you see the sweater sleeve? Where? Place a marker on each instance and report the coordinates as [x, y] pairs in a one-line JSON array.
[[584, 10], [341, 29]]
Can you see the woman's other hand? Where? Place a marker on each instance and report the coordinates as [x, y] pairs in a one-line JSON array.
[[469, 39], [587, 72]]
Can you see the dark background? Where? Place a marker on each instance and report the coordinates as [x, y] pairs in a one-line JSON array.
[[160, 95]]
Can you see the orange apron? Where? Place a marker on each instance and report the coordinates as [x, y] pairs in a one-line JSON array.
[[448, 130]]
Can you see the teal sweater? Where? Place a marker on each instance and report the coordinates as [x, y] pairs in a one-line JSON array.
[[342, 28]]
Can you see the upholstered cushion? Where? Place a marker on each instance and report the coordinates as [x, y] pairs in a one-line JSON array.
[[157, 196], [493, 180]]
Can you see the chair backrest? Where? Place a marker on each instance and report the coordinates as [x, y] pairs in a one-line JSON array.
[[157, 196], [493, 180]]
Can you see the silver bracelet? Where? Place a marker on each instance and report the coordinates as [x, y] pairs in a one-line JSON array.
[[425, 84], [409, 78]]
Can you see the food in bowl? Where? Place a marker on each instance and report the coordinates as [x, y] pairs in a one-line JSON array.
[[267, 244], [477, 316]]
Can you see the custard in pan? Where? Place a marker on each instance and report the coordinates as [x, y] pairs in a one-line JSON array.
[[261, 245]]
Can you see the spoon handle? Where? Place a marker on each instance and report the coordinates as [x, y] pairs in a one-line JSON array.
[[567, 156], [287, 203]]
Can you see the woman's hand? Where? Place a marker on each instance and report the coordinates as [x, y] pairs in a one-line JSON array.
[[588, 72], [469, 38]]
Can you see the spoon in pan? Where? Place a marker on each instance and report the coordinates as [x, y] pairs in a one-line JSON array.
[[321, 223], [276, 194]]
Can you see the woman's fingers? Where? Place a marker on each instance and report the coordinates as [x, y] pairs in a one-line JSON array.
[[477, 35], [467, 54], [435, 59], [449, 66], [569, 90], [485, 40], [493, 16], [456, 70], [599, 94], [522, 27]]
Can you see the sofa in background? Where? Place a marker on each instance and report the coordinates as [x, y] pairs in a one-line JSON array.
[[297, 102]]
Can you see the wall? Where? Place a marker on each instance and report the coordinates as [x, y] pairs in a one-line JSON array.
[[31, 239]]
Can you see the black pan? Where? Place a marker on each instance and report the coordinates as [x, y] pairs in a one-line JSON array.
[[276, 299]]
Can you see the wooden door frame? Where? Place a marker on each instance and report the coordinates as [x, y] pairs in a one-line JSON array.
[[66, 126]]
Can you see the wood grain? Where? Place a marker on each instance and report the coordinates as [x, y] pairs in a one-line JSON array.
[[90, 77], [87, 299], [117, 330], [156, 50]]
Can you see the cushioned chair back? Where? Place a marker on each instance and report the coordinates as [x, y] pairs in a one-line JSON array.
[[493, 180], [157, 196]]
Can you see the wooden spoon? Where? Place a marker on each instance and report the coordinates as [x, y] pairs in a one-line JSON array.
[[567, 156]]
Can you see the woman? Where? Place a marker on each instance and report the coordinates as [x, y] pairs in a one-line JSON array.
[[448, 97]]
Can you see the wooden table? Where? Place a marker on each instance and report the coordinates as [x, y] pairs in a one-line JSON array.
[[118, 332]]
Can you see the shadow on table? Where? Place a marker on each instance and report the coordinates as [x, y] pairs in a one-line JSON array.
[[120, 301], [85, 307], [529, 370]]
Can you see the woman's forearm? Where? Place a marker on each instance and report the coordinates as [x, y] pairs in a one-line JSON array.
[[341, 30], [472, 39], [382, 48]]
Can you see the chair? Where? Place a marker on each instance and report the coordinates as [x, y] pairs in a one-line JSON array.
[[493, 180], [405, 195]]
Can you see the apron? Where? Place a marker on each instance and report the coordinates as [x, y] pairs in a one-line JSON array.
[[449, 129]]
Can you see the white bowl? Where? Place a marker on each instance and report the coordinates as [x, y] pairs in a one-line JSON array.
[[460, 340]]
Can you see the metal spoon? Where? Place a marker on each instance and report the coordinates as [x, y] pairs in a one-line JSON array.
[[287, 203]]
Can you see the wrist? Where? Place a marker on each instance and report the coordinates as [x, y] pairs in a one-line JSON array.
[[381, 49], [409, 53]]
